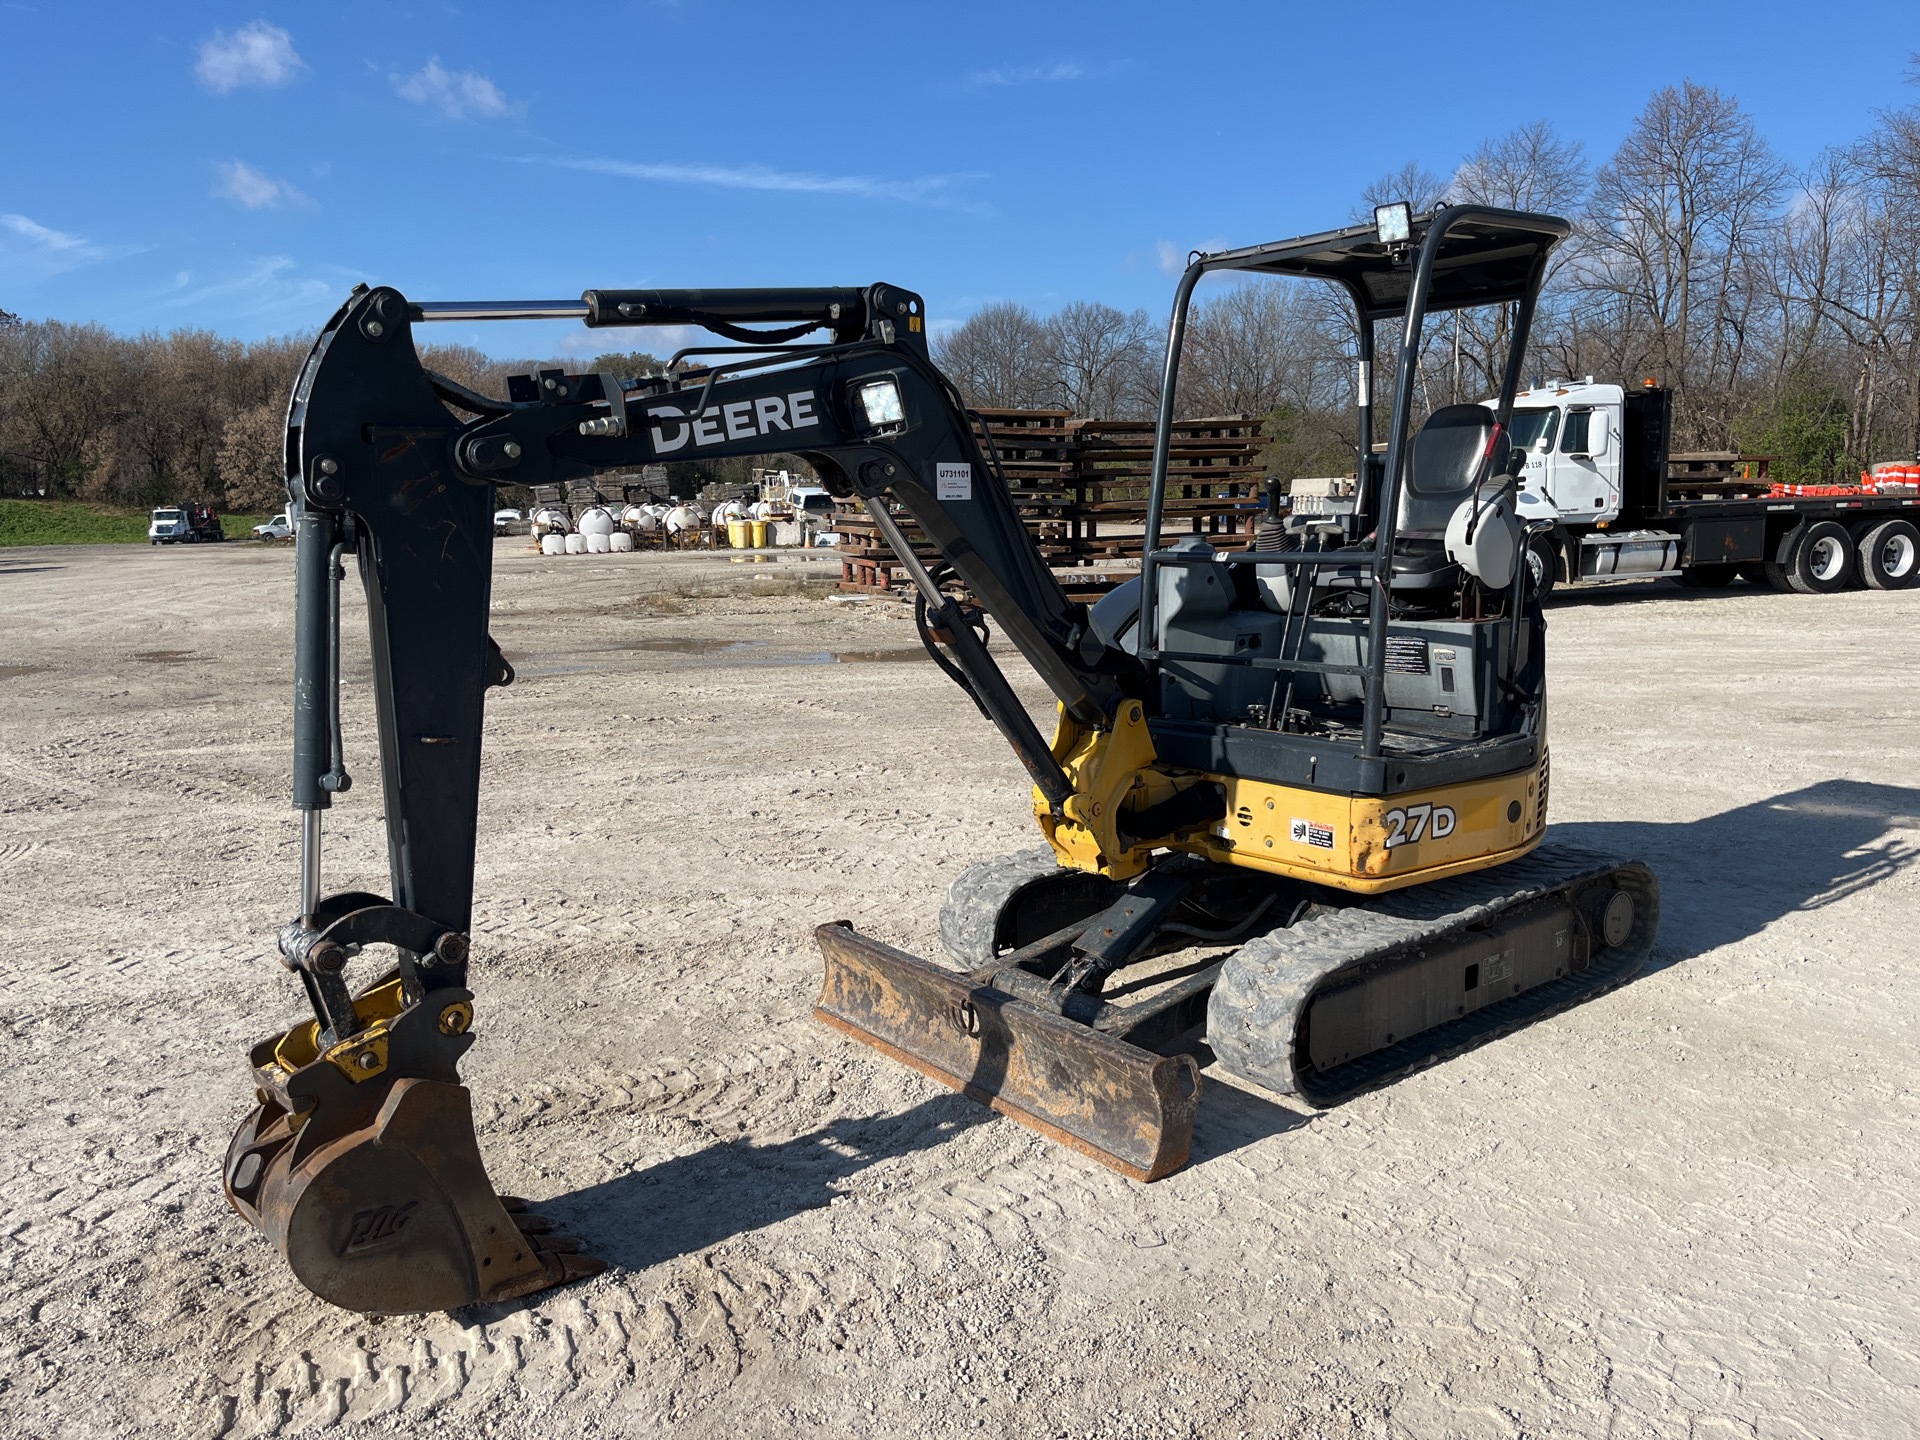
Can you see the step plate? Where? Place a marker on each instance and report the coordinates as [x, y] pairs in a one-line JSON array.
[[1128, 1108]]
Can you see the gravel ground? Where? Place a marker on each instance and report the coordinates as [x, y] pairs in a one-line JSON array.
[[1685, 1210]]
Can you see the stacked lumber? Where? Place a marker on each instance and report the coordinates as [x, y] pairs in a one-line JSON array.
[[1081, 487]]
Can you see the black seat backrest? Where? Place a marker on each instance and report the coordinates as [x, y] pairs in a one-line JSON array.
[[1446, 462]]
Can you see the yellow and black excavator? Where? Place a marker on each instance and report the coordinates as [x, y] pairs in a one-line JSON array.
[[1294, 802]]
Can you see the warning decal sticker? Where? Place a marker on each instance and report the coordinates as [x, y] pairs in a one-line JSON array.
[[1305, 832]]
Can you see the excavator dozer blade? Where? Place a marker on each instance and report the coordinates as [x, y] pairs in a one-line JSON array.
[[1128, 1108], [373, 1188]]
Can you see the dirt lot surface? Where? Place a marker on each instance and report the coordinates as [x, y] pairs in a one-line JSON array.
[[1686, 1209]]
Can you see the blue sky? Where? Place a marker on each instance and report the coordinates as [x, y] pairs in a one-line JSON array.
[[239, 167]]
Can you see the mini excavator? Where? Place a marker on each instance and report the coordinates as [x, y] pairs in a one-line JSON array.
[[1294, 801]]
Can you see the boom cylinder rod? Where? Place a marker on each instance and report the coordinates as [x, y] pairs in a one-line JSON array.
[[309, 862], [314, 676], [499, 309], [990, 685]]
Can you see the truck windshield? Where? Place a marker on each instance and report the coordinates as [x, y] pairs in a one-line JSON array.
[[1533, 429], [168, 515]]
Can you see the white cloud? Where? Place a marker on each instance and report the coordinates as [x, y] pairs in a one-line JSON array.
[[31, 252], [270, 288], [1005, 75], [457, 94], [660, 341], [1173, 258], [259, 54], [41, 236], [254, 189], [932, 190]]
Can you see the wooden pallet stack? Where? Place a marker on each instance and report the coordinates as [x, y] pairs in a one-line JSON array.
[[1081, 487]]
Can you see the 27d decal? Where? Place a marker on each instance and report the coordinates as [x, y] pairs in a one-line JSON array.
[[1405, 827]]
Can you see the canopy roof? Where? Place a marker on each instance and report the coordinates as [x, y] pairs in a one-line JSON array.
[[1485, 256]]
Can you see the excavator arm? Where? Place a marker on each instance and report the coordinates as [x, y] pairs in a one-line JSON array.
[[360, 1159]]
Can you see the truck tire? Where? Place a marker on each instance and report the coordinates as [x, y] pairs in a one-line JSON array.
[[1815, 558], [1889, 555], [1708, 577], [1543, 565]]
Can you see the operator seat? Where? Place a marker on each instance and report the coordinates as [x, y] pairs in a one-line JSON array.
[[1447, 456]]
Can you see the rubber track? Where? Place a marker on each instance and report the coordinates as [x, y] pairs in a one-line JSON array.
[[1254, 1014], [970, 915]]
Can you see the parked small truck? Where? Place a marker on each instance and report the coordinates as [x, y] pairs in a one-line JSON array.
[[184, 524], [1612, 501]]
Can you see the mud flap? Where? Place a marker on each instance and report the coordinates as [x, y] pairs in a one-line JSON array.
[[1126, 1107]]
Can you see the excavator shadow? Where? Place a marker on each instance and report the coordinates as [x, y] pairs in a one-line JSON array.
[[687, 1203], [1726, 877], [1723, 879]]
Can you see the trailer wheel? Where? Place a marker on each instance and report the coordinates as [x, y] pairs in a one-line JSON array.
[[1890, 555], [1816, 558], [1708, 577]]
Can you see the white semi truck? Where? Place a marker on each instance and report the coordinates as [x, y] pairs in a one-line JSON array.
[[1599, 487]]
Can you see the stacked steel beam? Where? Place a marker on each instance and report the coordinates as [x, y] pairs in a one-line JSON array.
[[1081, 486]]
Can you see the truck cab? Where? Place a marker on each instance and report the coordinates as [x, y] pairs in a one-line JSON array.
[[1571, 433]]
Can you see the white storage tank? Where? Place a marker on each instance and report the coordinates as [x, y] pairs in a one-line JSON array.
[[576, 544], [621, 542], [596, 520], [553, 544]]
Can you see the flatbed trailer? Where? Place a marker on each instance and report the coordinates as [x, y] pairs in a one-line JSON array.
[[1601, 495]]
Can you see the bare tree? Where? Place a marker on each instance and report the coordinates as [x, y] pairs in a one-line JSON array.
[[1529, 168], [998, 357], [1676, 226], [1412, 182], [1889, 161], [1102, 361], [58, 386], [250, 463]]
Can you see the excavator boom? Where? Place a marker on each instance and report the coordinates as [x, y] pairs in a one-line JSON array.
[[360, 1159]]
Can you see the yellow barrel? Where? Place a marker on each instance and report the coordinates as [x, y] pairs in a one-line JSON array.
[[759, 534], [739, 534]]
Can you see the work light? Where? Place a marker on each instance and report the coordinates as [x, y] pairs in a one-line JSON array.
[[1394, 223], [879, 402]]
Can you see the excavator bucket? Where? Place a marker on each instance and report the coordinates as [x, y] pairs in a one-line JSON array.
[[1128, 1108], [360, 1163]]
